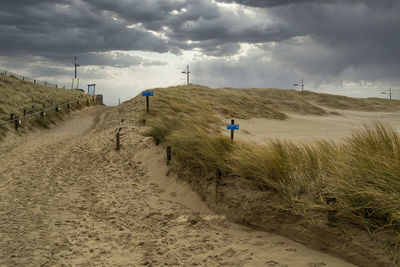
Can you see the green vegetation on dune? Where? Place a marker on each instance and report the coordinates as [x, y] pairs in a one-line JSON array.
[[360, 172], [17, 95]]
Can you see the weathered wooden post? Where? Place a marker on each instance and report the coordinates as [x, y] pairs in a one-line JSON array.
[[147, 94], [331, 213], [169, 154], [118, 145], [17, 123], [232, 127]]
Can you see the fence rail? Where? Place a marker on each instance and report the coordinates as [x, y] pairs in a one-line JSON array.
[[38, 112], [24, 78]]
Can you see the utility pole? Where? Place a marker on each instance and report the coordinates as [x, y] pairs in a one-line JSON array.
[[76, 65], [388, 93], [187, 72], [302, 84]]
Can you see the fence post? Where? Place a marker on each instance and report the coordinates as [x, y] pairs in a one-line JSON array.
[[147, 104], [169, 150], [17, 123], [118, 144], [24, 112], [331, 213]]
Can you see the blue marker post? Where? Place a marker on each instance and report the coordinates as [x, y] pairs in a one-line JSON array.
[[147, 94], [233, 127]]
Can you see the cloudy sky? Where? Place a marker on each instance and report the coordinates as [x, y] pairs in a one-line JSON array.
[[349, 47]]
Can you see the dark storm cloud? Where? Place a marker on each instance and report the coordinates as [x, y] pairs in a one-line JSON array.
[[353, 40], [58, 31]]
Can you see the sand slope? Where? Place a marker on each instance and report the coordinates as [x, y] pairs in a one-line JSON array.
[[67, 197], [310, 128]]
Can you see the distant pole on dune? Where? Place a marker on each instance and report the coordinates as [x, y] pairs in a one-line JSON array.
[[187, 72], [76, 65], [302, 84], [388, 93]]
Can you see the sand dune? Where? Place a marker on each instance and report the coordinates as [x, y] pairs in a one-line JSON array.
[[68, 198], [309, 128]]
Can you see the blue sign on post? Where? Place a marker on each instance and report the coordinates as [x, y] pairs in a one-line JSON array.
[[147, 93], [233, 127]]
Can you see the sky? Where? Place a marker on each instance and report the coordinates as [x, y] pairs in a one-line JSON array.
[[347, 47]]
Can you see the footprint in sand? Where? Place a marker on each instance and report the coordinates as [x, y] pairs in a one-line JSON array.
[[317, 264], [272, 263]]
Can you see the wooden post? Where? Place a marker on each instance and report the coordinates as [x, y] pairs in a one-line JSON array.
[[11, 116], [169, 150], [147, 104], [331, 213], [24, 112], [17, 123], [232, 131], [118, 145], [218, 175]]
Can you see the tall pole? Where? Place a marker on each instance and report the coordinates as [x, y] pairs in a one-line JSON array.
[[390, 93], [76, 65], [302, 84], [187, 72]]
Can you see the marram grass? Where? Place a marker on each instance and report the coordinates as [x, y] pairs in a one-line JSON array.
[[361, 172]]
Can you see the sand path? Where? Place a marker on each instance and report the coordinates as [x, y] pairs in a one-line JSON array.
[[67, 198]]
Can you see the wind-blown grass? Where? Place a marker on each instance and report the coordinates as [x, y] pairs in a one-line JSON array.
[[17, 95], [361, 172]]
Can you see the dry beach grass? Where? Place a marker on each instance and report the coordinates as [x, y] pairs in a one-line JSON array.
[[17, 95], [360, 173]]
